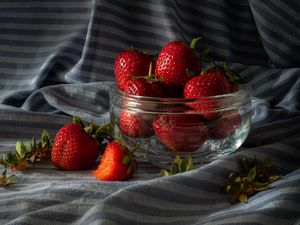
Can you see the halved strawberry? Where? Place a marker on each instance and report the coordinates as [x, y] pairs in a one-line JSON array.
[[117, 163]]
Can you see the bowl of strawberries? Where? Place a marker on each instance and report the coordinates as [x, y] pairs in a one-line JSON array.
[[178, 104]]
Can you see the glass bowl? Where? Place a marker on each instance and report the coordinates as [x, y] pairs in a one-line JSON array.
[[205, 128]]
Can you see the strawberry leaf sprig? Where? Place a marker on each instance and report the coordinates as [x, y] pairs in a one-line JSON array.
[[30, 151], [254, 177], [179, 165], [23, 153]]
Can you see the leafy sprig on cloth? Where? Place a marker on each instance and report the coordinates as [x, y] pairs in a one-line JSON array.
[[31, 151], [23, 154], [255, 176], [179, 165]]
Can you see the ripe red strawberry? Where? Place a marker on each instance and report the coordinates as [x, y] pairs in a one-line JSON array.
[[142, 87], [226, 125], [130, 63], [73, 149], [205, 85], [138, 87], [176, 64], [117, 163], [180, 132], [135, 124]]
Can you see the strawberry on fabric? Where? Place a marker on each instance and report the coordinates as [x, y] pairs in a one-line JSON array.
[[73, 148], [177, 63], [179, 132], [204, 86], [226, 125], [136, 124], [117, 163], [130, 63]]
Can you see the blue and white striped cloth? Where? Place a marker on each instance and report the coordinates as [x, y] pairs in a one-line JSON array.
[[56, 60]]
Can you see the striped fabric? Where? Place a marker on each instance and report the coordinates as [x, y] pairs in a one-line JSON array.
[[56, 60]]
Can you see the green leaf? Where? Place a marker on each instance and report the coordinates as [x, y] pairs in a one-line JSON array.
[[231, 175], [175, 168], [183, 166], [243, 198], [274, 178], [89, 129], [164, 173], [18, 147], [194, 42], [78, 120], [261, 188], [177, 159], [33, 141], [238, 180], [45, 137], [228, 188], [126, 159], [242, 185], [189, 161], [252, 174], [10, 158], [10, 179], [259, 184]]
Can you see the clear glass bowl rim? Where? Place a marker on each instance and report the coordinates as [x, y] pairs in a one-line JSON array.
[[242, 94]]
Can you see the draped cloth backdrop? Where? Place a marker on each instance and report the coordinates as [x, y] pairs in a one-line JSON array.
[[56, 60]]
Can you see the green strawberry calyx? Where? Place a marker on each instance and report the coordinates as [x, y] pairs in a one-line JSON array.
[[150, 77], [179, 165], [129, 157], [255, 176], [100, 133]]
